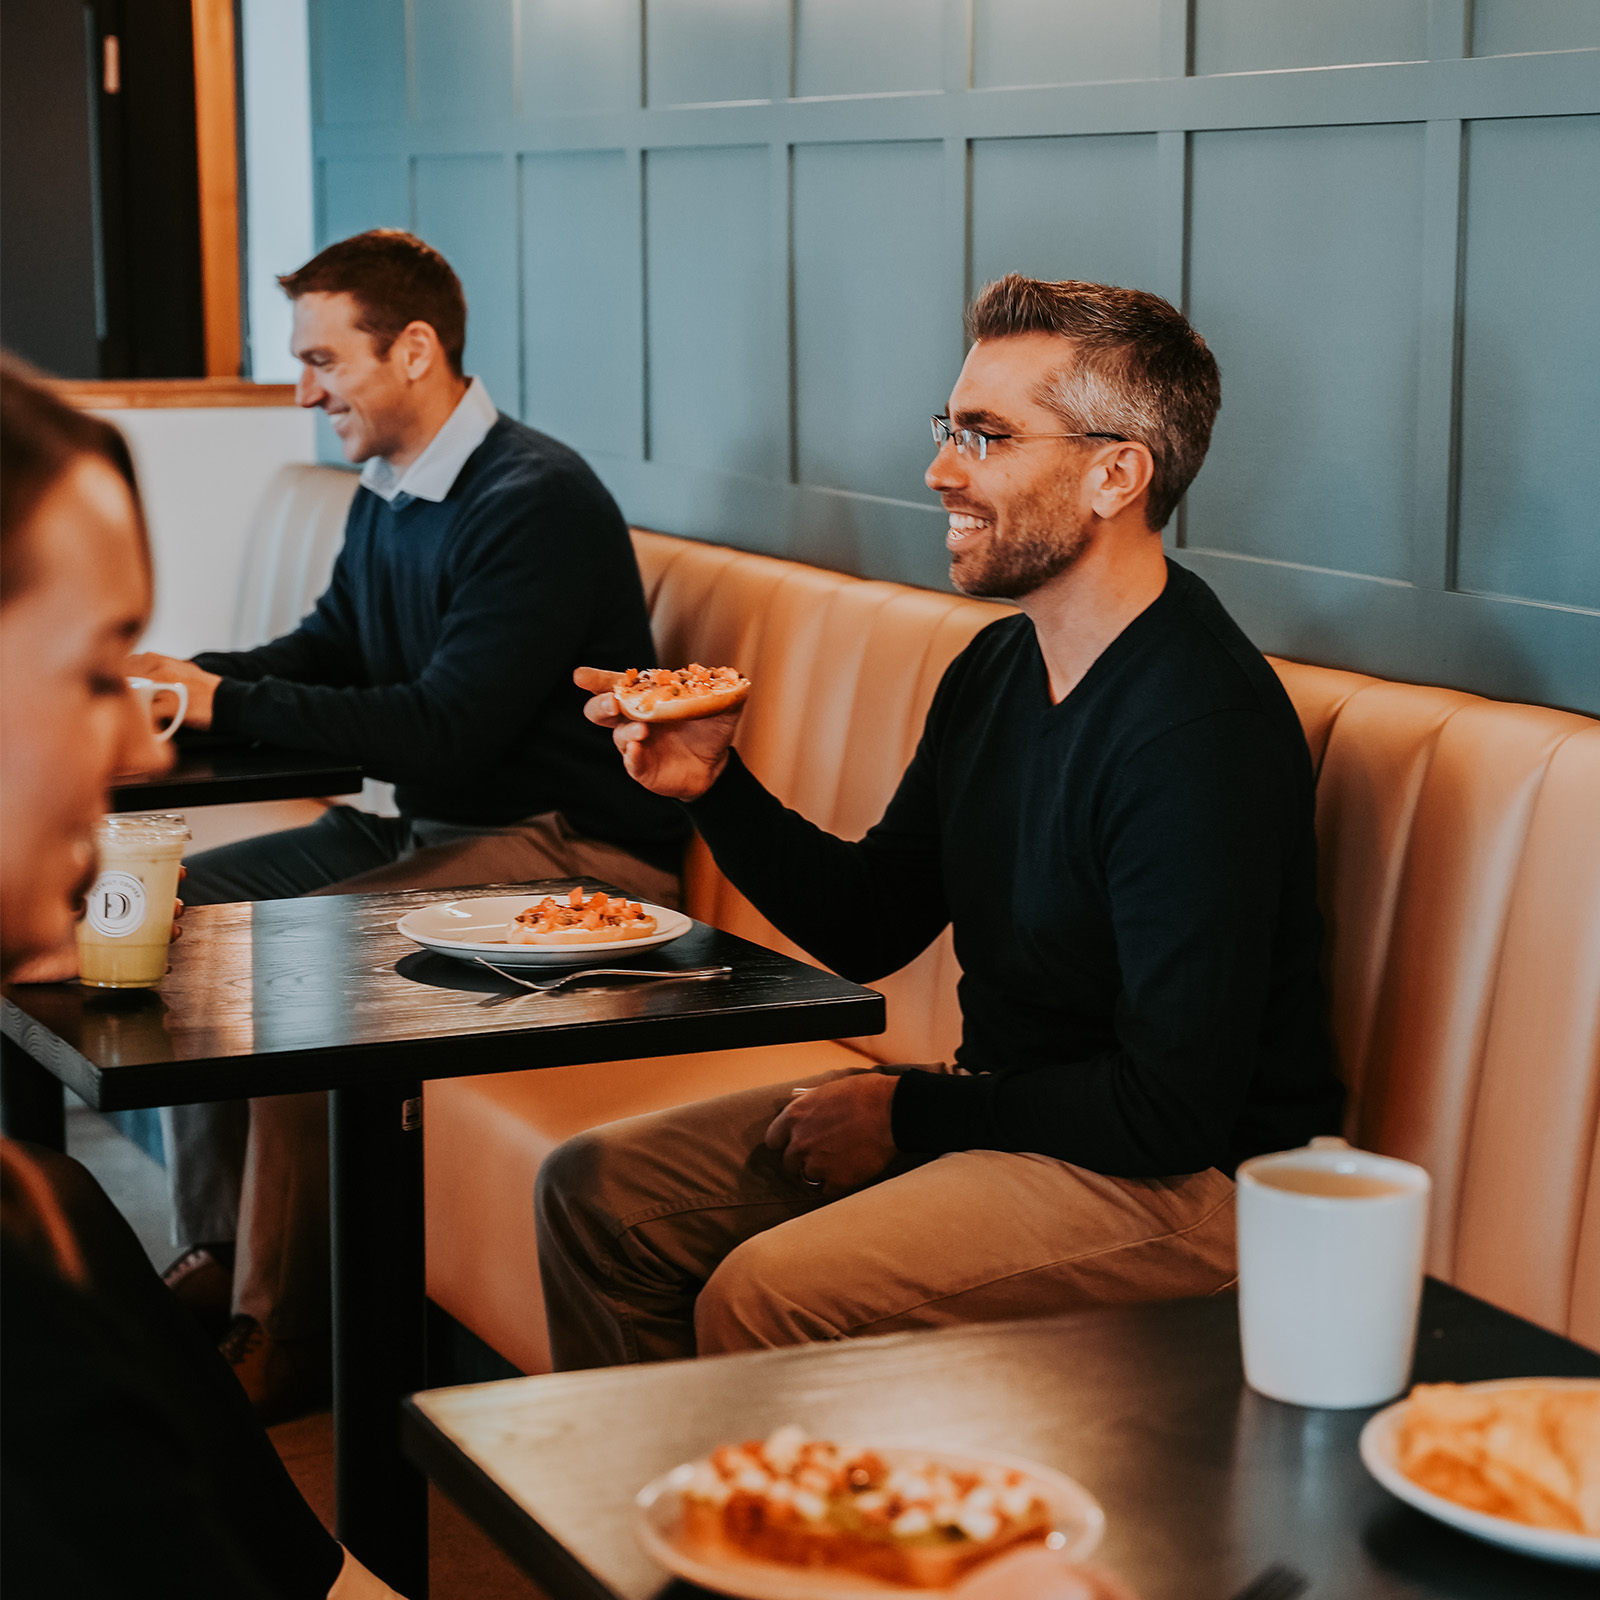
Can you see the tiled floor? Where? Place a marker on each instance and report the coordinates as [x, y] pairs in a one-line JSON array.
[[464, 1564]]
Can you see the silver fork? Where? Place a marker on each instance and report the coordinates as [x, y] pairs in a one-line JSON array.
[[1277, 1582], [550, 985]]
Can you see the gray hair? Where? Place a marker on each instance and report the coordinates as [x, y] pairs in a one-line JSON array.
[[1138, 370]]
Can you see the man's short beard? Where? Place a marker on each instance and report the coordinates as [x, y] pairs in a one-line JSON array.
[[1045, 537]]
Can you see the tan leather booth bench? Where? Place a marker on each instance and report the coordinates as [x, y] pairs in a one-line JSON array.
[[1460, 843]]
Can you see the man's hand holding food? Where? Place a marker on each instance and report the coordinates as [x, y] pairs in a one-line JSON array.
[[679, 759]]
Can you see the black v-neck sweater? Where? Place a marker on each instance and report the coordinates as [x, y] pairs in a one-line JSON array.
[[440, 658], [1131, 878]]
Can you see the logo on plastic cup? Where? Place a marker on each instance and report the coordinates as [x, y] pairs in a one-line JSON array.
[[116, 905]]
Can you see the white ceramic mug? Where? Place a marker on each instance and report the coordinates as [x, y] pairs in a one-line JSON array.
[[1331, 1243], [146, 690]]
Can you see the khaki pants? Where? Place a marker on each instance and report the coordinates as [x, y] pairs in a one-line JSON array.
[[679, 1233], [277, 1178]]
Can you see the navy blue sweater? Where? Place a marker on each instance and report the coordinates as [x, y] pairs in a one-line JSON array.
[[440, 658], [1131, 877]]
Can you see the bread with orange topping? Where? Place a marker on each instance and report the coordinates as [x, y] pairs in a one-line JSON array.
[[598, 919], [660, 694], [902, 1516]]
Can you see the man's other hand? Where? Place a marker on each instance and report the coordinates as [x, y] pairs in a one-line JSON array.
[[202, 685], [680, 760], [836, 1136]]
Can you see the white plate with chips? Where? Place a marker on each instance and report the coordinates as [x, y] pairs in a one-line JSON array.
[[1381, 1456], [468, 929]]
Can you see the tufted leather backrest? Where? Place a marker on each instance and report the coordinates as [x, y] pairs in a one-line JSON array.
[[1460, 852], [294, 541], [1460, 864]]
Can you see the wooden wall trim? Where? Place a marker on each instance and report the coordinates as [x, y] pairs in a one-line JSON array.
[[140, 394], [217, 124]]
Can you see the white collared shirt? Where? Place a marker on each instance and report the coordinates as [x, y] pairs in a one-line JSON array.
[[434, 472]]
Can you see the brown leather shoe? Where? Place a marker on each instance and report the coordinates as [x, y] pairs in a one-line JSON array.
[[284, 1378], [203, 1281]]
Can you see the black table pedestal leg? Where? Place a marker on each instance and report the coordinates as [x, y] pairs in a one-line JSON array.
[[31, 1106], [379, 1323]]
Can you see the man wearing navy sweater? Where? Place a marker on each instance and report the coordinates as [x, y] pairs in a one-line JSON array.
[[1111, 805], [482, 562]]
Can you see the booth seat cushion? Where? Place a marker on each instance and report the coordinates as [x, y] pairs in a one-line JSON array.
[[212, 826], [485, 1138]]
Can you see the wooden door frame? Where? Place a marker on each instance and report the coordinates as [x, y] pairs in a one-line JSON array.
[[217, 125]]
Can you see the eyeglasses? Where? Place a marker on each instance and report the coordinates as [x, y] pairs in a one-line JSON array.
[[966, 439]]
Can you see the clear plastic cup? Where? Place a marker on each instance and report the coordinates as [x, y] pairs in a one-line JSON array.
[[127, 924]]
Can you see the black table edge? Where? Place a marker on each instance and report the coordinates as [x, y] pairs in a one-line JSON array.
[[179, 792], [127, 1088], [1476, 1327], [544, 1559]]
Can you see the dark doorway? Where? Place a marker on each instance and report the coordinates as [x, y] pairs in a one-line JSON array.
[[100, 264], [47, 245]]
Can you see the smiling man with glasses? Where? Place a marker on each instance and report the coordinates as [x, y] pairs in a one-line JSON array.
[[1112, 807]]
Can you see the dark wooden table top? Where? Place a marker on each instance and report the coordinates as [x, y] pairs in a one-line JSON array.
[[285, 995], [212, 771], [1204, 1482]]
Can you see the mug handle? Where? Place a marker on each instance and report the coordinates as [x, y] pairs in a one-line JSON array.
[[182, 692]]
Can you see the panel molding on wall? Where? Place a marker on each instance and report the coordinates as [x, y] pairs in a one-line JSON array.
[[722, 247], [1304, 274]]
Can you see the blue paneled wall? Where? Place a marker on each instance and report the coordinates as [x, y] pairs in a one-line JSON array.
[[722, 247]]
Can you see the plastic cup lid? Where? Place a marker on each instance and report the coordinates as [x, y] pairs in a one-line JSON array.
[[144, 826]]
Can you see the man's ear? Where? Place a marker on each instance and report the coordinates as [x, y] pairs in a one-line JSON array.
[[1119, 478], [418, 350]]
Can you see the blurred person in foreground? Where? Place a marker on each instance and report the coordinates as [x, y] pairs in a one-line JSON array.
[[482, 562], [1112, 806], [130, 1462]]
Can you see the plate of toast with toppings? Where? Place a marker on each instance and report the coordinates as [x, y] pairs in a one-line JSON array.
[[568, 929], [797, 1518]]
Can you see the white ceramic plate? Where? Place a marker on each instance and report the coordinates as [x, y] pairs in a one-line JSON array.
[[1380, 1454], [1079, 1525], [467, 929]]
